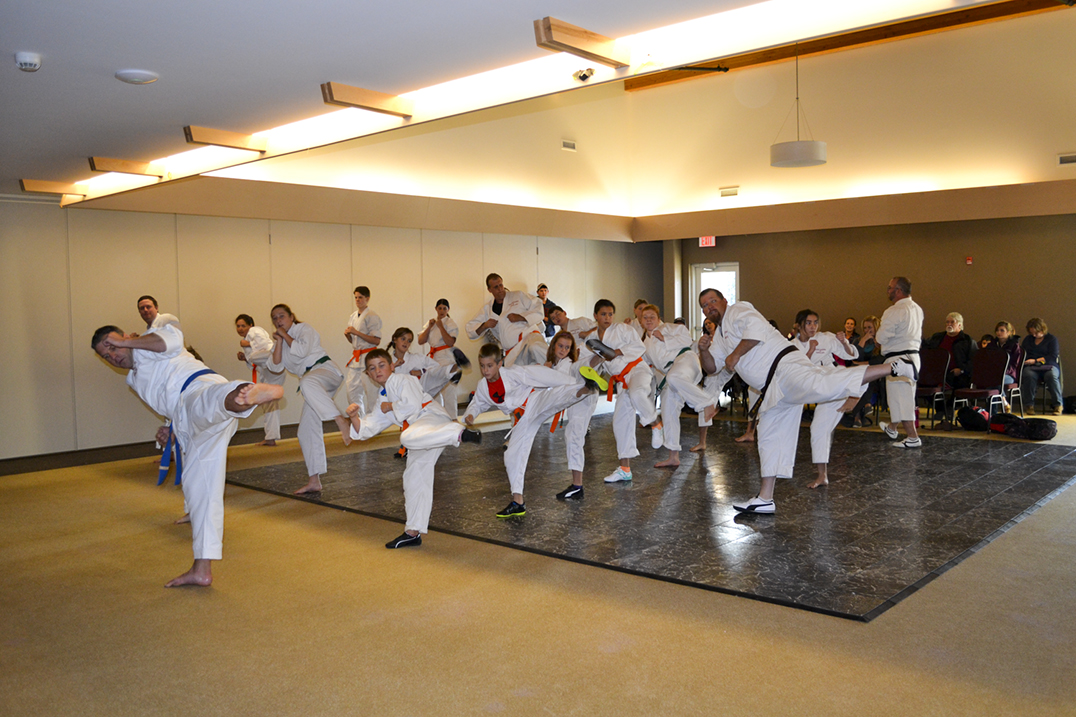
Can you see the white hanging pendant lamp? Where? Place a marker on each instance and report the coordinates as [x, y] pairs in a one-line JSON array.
[[802, 152]]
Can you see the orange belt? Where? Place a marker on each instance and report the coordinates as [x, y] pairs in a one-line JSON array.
[[620, 377], [556, 421], [439, 348], [406, 424], [517, 413], [520, 340], [357, 354]]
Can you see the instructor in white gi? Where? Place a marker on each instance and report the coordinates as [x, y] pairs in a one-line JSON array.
[[515, 321], [899, 336], [786, 379], [203, 407]]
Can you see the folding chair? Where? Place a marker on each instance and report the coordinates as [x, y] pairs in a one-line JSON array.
[[988, 368], [933, 368]]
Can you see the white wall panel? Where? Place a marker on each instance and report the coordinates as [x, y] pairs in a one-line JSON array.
[[389, 262], [562, 266], [115, 258], [515, 258], [37, 389]]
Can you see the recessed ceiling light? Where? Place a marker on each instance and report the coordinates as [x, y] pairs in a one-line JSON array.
[[136, 77]]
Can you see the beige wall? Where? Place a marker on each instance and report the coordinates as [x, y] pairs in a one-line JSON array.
[[1020, 268], [65, 272]]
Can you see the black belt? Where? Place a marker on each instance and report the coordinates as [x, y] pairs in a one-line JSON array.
[[753, 414], [909, 352]]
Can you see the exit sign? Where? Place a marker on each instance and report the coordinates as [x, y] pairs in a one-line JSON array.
[[707, 241]]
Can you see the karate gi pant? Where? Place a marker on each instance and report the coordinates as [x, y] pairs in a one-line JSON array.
[[901, 392], [204, 427], [636, 399], [424, 440], [542, 405], [530, 351], [682, 386], [271, 411], [435, 379], [575, 434], [826, 418], [798, 383], [361, 389], [318, 386]]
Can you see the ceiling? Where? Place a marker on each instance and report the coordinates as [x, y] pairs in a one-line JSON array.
[[982, 106]]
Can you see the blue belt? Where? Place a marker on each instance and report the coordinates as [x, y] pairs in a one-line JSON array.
[[166, 459]]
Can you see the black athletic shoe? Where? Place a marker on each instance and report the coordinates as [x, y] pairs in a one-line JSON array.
[[601, 349], [469, 436], [514, 510], [404, 541], [461, 358], [572, 492], [456, 377]]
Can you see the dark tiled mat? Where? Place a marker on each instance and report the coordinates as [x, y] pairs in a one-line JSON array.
[[890, 521]]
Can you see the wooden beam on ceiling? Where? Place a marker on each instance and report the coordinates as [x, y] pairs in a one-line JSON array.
[[939, 22], [559, 36], [223, 138], [124, 166], [41, 186], [335, 93]]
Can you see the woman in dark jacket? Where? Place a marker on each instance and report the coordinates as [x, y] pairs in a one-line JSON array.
[[1041, 363]]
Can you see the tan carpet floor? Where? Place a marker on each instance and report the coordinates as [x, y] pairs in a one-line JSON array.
[[310, 615]]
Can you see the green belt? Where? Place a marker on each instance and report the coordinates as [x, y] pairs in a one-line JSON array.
[[667, 366], [310, 368]]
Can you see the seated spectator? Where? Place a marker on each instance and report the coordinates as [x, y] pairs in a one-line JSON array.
[[1005, 338], [850, 334], [870, 353], [960, 348], [1041, 351], [985, 341]]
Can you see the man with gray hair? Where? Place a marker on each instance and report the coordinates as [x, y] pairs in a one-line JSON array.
[[899, 335], [960, 348]]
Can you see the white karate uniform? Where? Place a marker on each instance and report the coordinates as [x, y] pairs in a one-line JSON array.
[[826, 417], [544, 391], [202, 425], [577, 415], [360, 388], [163, 320], [427, 433], [435, 375], [318, 382], [901, 329], [682, 371], [259, 351], [638, 326], [637, 396], [441, 352], [523, 341], [796, 382]]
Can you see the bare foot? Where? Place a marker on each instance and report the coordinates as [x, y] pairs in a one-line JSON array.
[[269, 443], [699, 448], [709, 412], [668, 463], [849, 403], [255, 394], [200, 574], [185, 519], [748, 437], [345, 429], [312, 486], [820, 480]]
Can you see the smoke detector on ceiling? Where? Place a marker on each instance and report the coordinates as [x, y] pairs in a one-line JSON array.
[[28, 61], [137, 77]]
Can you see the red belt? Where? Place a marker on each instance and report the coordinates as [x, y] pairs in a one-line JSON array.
[[620, 377]]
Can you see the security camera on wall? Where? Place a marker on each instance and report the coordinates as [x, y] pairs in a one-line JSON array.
[[584, 75]]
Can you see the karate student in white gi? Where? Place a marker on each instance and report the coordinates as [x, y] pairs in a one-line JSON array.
[[432, 374], [427, 431], [203, 408], [147, 309], [899, 336], [623, 356], [636, 322], [514, 320], [785, 378], [363, 332], [581, 328], [567, 358], [256, 348], [441, 333], [821, 348], [297, 348], [669, 351], [536, 392]]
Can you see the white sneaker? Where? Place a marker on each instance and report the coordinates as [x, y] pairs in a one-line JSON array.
[[657, 437], [756, 505], [909, 443], [618, 475], [888, 430]]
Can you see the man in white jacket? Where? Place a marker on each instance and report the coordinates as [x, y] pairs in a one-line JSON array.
[[514, 319]]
